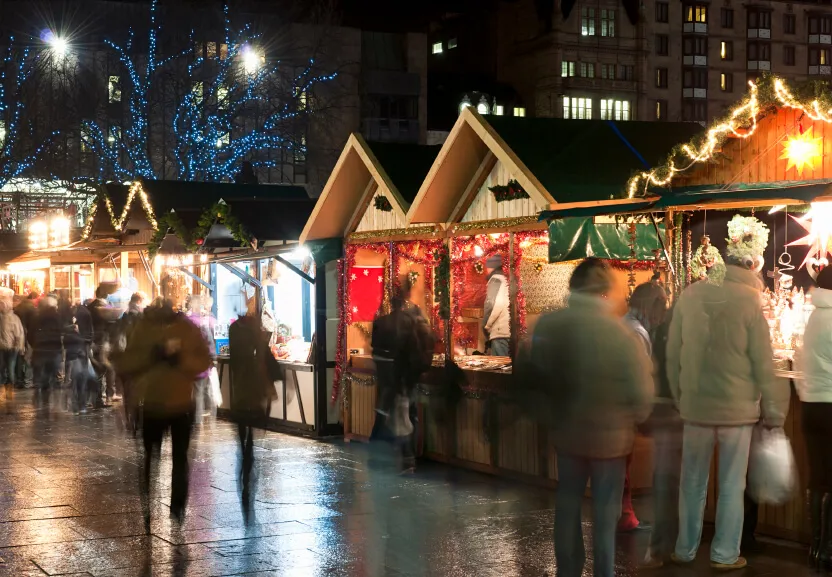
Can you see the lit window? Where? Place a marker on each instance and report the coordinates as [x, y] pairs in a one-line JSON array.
[[2, 130], [114, 137], [567, 69], [452, 44], [499, 110], [437, 48], [199, 50], [661, 106], [622, 110], [196, 90], [464, 103], [519, 111], [697, 13], [726, 82], [482, 107], [212, 50], [114, 88], [577, 108], [587, 70], [224, 140], [607, 23], [222, 97], [618, 109], [300, 151], [587, 21], [223, 51]]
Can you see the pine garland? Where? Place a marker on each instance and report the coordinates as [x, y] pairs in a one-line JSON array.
[[219, 213], [747, 237], [442, 282], [170, 221]]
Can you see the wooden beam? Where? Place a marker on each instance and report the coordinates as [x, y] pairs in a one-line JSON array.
[[484, 169]]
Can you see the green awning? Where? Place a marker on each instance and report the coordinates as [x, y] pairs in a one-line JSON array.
[[805, 191], [577, 238], [571, 211]]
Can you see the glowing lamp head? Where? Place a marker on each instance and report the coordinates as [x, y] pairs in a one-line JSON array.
[[801, 151], [251, 60], [57, 45]]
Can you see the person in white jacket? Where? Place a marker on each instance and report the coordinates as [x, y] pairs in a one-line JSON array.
[[497, 325], [12, 342], [814, 359]]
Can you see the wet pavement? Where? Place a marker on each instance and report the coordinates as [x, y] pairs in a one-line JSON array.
[[69, 505]]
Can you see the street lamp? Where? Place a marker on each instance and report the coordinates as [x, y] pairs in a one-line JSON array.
[[58, 45], [50, 233], [252, 60]]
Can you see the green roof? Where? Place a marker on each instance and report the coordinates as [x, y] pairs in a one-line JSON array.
[[585, 160], [407, 165]]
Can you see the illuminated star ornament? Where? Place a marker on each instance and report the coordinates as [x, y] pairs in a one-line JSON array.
[[802, 150], [818, 223]]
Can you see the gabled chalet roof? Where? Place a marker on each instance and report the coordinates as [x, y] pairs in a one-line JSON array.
[[554, 160], [363, 169]]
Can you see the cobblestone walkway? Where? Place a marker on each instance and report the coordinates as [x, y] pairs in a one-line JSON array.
[[69, 505]]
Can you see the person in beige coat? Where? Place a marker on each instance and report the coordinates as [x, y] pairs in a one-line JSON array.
[[600, 387], [12, 342], [721, 373]]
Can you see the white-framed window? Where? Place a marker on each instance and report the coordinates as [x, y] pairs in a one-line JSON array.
[[577, 108], [587, 21], [2, 131], [607, 23], [608, 71], [499, 110], [224, 140], [519, 111], [114, 88], [211, 49], [222, 97], [197, 91], [587, 69], [612, 109], [436, 48], [452, 43], [114, 135], [567, 69]]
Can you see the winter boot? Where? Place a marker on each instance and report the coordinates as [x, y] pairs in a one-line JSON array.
[[825, 550], [815, 502]]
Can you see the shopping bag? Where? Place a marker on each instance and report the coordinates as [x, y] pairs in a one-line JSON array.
[[216, 393], [771, 468], [400, 423]]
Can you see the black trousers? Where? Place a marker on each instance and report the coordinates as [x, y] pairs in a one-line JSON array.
[[154, 429], [817, 430]]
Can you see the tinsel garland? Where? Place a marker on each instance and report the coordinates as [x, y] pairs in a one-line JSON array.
[[631, 273], [340, 337], [688, 249], [411, 250], [678, 282], [626, 265], [379, 235], [523, 240], [498, 223], [442, 283]]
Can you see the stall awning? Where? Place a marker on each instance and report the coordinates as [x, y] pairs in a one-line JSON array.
[[577, 238], [583, 210], [802, 191]]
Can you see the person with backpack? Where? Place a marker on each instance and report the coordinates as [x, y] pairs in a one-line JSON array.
[[403, 345]]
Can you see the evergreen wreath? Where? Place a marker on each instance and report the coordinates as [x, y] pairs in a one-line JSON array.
[[714, 274], [511, 191], [381, 203], [747, 237], [219, 213]]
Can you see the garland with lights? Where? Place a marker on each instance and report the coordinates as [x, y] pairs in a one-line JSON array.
[[170, 221], [410, 251], [135, 191], [209, 138], [523, 240], [382, 203], [511, 191], [812, 99], [340, 337]]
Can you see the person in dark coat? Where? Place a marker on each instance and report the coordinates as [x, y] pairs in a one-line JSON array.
[[253, 372], [104, 318], [77, 363], [27, 312], [46, 347]]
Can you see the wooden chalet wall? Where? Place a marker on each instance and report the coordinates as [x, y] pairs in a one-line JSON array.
[[375, 219], [757, 158], [484, 207]]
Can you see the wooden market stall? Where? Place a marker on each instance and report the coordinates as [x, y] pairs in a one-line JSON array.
[[480, 198], [752, 179]]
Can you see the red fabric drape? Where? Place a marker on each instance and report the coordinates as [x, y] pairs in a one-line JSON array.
[[366, 292]]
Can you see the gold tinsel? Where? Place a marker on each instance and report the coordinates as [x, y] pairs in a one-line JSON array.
[[390, 233], [496, 223]]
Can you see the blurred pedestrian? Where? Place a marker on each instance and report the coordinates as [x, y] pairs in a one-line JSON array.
[[26, 312], [46, 347], [814, 359], [648, 305], [253, 373], [199, 313], [83, 321], [126, 325], [104, 318], [600, 388], [496, 315], [403, 345], [163, 357], [78, 367], [722, 379], [12, 342]]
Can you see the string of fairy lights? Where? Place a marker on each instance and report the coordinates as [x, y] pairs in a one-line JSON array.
[[210, 141], [135, 191], [741, 123]]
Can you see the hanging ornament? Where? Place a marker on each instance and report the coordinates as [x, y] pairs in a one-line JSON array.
[[478, 267], [802, 151], [538, 267], [707, 263], [747, 241], [412, 276]]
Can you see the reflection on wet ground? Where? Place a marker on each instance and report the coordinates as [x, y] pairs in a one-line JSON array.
[[69, 505]]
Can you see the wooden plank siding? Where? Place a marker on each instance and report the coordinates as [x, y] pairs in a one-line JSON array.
[[484, 207]]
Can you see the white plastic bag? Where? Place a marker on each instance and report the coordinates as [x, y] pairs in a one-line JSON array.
[[216, 393], [400, 423], [771, 469]]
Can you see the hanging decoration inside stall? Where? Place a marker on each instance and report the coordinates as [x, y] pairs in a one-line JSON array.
[[818, 225], [747, 241], [513, 190], [707, 263], [742, 123]]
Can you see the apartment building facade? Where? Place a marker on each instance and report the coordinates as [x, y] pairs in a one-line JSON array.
[[658, 59]]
